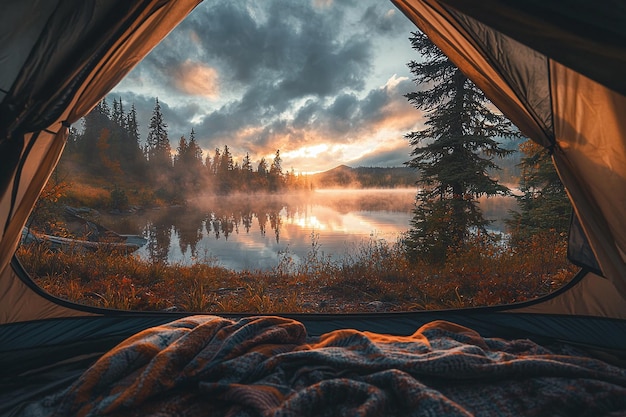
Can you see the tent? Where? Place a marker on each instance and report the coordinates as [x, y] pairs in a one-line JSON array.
[[555, 72]]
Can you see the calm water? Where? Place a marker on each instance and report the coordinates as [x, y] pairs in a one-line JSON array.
[[251, 231]]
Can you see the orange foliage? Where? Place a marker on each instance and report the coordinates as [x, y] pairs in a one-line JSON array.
[[376, 277]]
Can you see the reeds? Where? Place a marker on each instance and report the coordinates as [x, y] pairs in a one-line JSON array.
[[374, 276]]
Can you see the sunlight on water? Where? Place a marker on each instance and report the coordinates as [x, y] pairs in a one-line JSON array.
[[252, 232]]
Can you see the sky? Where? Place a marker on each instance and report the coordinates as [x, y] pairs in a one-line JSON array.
[[323, 81]]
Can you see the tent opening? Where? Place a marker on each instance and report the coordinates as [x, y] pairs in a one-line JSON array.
[[256, 162]]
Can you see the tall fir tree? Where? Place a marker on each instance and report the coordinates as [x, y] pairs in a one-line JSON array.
[[225, 172], [103, 107], [246, 173], [543, 205], [136, 163], [181, 153], [158, 148], [194, 150], [215, 166], [118, 113], [261, 181], [132, 126], [453, 154], [275, 176]]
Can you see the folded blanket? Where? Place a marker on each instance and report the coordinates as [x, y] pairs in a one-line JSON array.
[[267, 366]]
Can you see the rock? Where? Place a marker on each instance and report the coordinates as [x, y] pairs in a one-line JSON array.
[[376, 305]]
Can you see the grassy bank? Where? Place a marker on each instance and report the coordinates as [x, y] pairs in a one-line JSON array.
[[374, 277]]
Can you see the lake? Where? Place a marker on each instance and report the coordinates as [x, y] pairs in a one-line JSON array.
[[248, 232]]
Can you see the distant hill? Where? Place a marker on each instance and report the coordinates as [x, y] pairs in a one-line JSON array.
[[344, 176]]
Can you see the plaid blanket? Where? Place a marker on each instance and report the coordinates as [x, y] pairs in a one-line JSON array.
[[267, 366]]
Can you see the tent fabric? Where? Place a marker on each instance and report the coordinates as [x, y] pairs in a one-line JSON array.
[[591, 158], [578, 250], [80, 50], [580, 120], [72, 53], [589, 37]]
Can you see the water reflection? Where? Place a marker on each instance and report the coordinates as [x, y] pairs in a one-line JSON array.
[[251, 231]]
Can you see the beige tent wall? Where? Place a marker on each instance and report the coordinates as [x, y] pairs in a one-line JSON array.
[[590, 128], [155, 21], [591, 296], [18, 302], [38, 165]]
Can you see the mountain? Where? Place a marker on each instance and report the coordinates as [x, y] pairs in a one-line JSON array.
[[344, 176]]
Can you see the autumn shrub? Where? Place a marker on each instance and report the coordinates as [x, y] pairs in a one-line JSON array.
[[375, 274]]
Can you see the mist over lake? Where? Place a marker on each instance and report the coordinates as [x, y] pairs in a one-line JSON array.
[[253, 231]]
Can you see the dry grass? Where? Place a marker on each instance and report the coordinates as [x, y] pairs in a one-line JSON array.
[[374, 277]]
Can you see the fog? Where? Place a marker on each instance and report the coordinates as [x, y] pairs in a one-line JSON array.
[[252, 231]]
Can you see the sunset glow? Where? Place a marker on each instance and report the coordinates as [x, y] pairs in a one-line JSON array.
[[321, 81]]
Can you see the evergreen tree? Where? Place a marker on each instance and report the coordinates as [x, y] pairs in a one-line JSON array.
[[452, 154], [132, 127], [118, 113], [261, 181], [188, 165], [544, 205], [246, 173], [158, 149], [194, 150], [130, 151], [275, 176], [216, 162], [225, 171], [262, 167], [94, 123], [181, 153], [104, 108]]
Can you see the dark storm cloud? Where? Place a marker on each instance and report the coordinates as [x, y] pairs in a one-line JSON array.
[[332, 118], [290, 71], [307, 113], [383, 19], [293, 49]]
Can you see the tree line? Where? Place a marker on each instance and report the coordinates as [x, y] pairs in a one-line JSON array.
[[109, 146]]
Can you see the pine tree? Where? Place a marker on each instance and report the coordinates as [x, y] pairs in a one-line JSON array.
[[544, 205], [93, 124], [194, 150], [158, 149], [276, 173], [225, 171], [181, 152], [262, 167], [104, 108], [118, 113], [132, 127], [246, 173], [261, 181], [216, 162], [453, 154]]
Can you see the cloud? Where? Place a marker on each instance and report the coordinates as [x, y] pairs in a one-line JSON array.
[[381, 18], [321, 4], [195, 78], [301, 77]]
